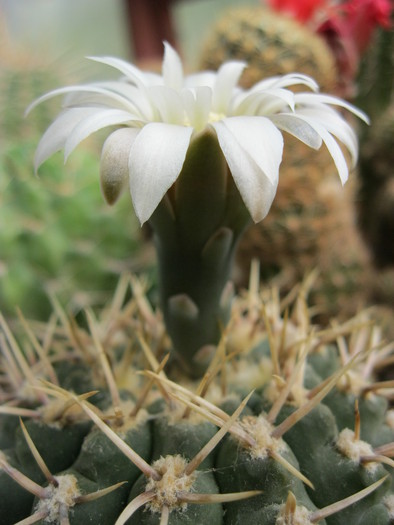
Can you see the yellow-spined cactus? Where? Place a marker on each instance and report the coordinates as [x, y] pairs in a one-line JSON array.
[[271, 43]]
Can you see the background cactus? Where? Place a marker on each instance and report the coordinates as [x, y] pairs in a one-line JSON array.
[[376, 207], [100, 439], [312, 217], [377, 192], [271, 44], [55, 231]]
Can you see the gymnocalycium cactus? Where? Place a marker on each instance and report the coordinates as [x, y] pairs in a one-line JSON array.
[[286, 426], [311, 447]]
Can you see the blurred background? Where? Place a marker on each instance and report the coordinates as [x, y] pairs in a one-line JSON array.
[[57, 234], [67, 30]]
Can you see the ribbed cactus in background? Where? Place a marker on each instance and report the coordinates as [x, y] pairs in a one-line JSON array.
[[222, 409], [271, 43], [377, 207], [376, 162], [377, 212], [312, 218]]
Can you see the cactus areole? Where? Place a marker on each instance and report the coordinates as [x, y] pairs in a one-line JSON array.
[[201, 158]]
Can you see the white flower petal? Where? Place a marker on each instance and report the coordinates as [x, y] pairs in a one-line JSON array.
[[336, 154], [261, 139], [332, 146], [264, 102], [98, 120], [297, 127], [203, 102], [56, 135], [172, 68], [266, 83], [226, 80], [309, 99], [337, 126], [168, 103], [153, 79], [296, 79], [291, 79], [156, 159], [114, 163], [197, 103], [276, 100], [255, 173], [202, 79], [107, 94], [132, 99], [135, 75]]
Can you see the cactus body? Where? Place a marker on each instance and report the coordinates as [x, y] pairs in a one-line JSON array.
[[300, 444]]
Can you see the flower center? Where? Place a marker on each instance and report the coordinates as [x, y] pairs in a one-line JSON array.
[[216, 117]]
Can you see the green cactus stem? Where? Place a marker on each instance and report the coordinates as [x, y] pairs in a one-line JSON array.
[[196, 229]]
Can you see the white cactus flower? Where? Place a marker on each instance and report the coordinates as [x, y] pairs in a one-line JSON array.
[[159, 116]]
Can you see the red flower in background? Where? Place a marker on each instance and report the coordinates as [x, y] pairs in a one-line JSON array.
[[346, 26], [302, 10], [359, 18]]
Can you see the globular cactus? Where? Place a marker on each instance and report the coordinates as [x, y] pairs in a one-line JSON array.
[[287, 426], [272, 43], [312, 218]]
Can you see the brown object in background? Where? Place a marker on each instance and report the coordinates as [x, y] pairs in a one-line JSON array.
[[150, 23]]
